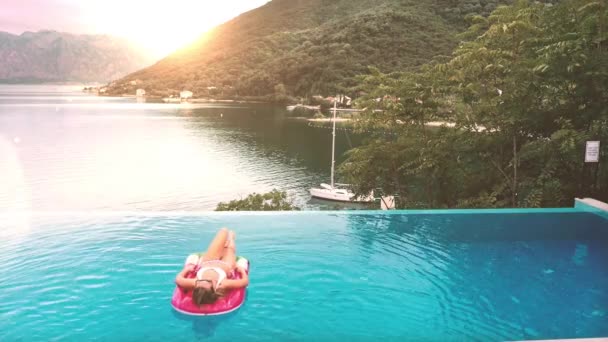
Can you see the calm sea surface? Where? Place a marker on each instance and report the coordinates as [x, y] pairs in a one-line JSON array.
[[64, 150]]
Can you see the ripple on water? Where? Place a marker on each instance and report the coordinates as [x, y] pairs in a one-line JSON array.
[[354, 275]]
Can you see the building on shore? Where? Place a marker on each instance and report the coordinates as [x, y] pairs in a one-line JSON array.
[[140, 93], [185, 95]]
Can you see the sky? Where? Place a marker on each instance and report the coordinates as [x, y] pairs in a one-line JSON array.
[[159, 27]]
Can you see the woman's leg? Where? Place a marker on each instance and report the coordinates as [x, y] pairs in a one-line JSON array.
[[216, 247], [229, 256]]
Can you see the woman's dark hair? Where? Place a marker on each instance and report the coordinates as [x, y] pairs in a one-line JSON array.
[[202, 296]]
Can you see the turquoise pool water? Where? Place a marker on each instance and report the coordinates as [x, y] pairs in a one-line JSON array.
[[436, 276]]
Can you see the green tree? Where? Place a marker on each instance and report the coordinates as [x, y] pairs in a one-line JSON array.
[[521, 95], [493, 78], [271, 201]]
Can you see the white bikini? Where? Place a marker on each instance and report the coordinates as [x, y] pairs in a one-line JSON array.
[[221, 274]]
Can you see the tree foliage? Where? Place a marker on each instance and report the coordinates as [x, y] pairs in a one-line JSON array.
[[522, 94], [270, 201]]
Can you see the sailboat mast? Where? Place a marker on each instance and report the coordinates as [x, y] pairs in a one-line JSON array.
[[333, 144]]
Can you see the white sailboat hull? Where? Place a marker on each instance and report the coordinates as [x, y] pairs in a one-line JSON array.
[[340, 195]]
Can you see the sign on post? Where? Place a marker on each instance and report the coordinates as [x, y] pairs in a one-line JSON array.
[[592, 152], [387, 203]]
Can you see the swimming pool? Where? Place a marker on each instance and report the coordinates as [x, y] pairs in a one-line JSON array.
[[415, 275]]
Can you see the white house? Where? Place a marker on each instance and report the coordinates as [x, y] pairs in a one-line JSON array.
[[140, 93], [185, 95]]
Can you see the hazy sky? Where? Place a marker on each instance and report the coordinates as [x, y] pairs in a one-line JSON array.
[[158, 26]]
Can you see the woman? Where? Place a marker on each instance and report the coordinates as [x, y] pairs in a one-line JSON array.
[[215, 271]]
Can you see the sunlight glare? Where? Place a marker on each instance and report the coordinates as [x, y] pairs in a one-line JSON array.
[[163, 27], [13, 191]]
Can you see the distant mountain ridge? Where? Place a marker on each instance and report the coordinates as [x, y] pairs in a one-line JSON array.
[[50, 56], [308, 47]]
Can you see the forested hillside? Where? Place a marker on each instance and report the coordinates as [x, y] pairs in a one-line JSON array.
[[309, 47], [50, 56]]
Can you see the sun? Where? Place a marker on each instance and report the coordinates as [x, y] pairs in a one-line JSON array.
[[161, 27]]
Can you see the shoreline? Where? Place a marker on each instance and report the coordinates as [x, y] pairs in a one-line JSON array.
[[167, 100]]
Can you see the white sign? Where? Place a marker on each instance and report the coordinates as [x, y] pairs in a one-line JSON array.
[[387, 203], [592, 152]]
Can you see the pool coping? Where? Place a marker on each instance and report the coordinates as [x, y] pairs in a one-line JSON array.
[[580, 205], [592, 205], [297, 212]]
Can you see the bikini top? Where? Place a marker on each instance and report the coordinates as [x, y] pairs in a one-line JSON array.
[[220, 272]]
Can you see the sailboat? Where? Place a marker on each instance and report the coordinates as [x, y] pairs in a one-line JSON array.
[[334, 191]]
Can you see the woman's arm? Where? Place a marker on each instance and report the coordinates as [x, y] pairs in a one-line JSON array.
[[182, 281], [231, 284]]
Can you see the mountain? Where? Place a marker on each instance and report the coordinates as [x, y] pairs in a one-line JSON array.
[[308, 47], [48, 56]]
